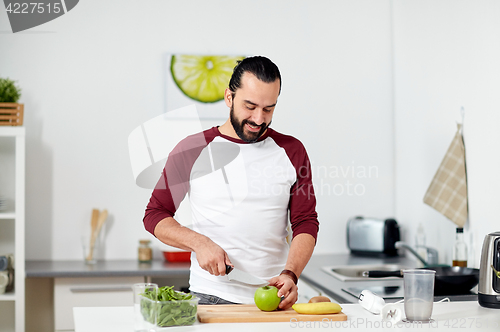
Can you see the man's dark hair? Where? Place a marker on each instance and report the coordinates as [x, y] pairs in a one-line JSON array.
[[263, 68]]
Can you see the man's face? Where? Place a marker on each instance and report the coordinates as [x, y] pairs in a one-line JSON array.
[[252, 106]]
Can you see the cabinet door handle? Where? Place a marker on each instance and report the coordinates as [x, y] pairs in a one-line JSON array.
[[92, 289]]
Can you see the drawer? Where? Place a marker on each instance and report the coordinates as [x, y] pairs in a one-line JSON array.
[[89, 292]]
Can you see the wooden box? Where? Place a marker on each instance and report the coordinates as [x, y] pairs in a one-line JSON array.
[[11, 114]]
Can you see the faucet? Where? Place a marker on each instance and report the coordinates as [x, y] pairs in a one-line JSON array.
[[432, 254]]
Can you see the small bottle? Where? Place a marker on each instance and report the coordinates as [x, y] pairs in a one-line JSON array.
[[145, 251], [460, 249]]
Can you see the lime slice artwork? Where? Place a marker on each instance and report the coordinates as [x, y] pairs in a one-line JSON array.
[[203, 77]]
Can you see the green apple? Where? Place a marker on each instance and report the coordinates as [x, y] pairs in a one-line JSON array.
[[266, 298]]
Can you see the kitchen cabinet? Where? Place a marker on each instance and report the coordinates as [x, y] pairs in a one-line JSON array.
[[89, 292], [12, 188]]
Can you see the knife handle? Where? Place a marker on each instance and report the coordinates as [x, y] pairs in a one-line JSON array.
[[382, 274], [229, 268]]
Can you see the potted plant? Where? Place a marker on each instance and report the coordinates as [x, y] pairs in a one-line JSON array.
[[11, 113]]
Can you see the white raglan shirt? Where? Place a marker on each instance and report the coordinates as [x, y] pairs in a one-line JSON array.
[[240, 195]]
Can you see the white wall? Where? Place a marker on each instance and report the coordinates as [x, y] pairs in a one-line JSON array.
[[90, 77], [446, 57], [93, 75]]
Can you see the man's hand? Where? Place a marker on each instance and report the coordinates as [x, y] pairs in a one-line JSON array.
[[286, 287], [212, 258]]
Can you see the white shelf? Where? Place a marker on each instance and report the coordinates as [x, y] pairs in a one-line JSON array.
[[7, 215], [12, 131], [16, 136], [8, 297]]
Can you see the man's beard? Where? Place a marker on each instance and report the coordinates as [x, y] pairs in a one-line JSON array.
[[249, 137]]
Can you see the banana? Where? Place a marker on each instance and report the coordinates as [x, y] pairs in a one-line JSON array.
[[318, 308]]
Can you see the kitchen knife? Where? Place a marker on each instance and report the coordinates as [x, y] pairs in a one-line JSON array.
[[244, 277]]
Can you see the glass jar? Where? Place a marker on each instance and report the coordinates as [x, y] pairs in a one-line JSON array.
[[145, 251]]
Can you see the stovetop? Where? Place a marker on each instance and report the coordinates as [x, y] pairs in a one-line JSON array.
[[397, 292]]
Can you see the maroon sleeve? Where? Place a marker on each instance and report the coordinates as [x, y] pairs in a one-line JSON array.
[[302, 205], [174, 180]]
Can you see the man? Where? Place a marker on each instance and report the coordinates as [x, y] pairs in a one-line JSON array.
[[244, 180]]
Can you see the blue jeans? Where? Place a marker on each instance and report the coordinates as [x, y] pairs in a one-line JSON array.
[[210, 299]]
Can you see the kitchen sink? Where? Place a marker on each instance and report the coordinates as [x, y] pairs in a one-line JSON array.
[[355, 272]]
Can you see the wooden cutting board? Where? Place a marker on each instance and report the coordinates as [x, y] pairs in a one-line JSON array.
[[246, 313]]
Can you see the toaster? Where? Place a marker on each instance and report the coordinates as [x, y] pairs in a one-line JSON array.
[[372, 237]]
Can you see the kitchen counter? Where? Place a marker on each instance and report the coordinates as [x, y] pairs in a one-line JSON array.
[[313, 274], [327, 284], [105, 268], [467, 316]]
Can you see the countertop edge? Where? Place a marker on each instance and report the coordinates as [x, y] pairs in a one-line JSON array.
[[107, 268]]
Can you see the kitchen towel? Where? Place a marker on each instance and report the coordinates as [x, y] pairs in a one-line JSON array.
[[447, 192]]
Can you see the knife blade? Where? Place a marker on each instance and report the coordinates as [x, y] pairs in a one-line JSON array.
[[244, 277]]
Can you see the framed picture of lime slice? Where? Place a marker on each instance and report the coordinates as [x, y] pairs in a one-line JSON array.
[[199, 80]]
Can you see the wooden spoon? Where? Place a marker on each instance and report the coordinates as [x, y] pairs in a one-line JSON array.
[[93, 221], [100, 222], [93, 227], [95, 232]]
